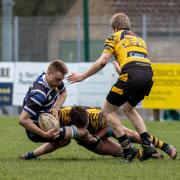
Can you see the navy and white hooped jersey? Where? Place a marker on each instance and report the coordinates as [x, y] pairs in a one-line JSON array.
[[41, 97]]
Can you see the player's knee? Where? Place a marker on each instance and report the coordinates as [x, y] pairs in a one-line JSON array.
[[89, 146], [109, 133], [61, 143], [127, 109]]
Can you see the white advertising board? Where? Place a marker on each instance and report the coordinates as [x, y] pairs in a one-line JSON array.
[[72, 97], [25, 74], [6, 71], [90, 92], [93, 91]]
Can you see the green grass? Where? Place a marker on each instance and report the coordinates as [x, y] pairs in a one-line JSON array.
[[76, 163]]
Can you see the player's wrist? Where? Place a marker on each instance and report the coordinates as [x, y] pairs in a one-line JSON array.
[[44, 134], [84, 76]]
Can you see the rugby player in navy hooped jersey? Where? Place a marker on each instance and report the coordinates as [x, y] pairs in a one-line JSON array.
[[47, 94], [133, 84]]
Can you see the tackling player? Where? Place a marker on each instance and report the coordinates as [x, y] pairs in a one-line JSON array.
[[97, 127]]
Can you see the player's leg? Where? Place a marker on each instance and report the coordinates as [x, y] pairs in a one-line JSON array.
[[107, 146], [50, 145], [104, 146], [65, 135], [133, 135], [167, 148], [112, 119], [134, 138], [139, 84], [44, 149], [158, 143], [135, 118], [138, 123]]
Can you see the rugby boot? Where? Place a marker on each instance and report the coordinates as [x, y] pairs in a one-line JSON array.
[[156, 155], [148, 151], [131, 154]]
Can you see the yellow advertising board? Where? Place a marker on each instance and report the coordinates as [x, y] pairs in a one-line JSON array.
[[165, 93]]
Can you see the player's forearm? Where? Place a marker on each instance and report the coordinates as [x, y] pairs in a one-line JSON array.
[[76, 133], [60, 101], [29, 125], [97, 66]]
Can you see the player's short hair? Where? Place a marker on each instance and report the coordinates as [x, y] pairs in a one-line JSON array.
[[79, 116], [120, 21], [58, 65]]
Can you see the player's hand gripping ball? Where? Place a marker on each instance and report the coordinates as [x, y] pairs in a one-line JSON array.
[[48, 121]]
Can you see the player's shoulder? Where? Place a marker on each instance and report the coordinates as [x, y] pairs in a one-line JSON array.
[[41, 84], [39, 88], [92, 109], [38, 92], [114, 36], [66, 108]]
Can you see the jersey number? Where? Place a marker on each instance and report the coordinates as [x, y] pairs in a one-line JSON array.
[[133, 41]]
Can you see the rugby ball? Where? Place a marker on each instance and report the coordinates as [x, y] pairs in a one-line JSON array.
[[48, 121]]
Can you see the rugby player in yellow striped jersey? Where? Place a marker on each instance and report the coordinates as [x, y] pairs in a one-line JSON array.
[[133, 84], [92, 119], [98, 128]]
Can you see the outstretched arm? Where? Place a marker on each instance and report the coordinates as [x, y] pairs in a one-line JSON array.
[[97, 66]]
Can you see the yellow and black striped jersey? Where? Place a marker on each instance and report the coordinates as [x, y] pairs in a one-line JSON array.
[[96, 121], [64, 116], [126, 47]]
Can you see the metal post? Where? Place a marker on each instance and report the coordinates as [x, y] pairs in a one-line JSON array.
[[144, 27], [156, 114], [16, 39], [78, 20], [86, 30], [7, 30]]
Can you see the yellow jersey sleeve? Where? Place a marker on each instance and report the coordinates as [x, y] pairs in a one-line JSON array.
[[96, 120], [109, 45], [64, 115]]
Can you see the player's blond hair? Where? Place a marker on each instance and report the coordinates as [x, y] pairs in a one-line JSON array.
[[58, 65], [120, 21]]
